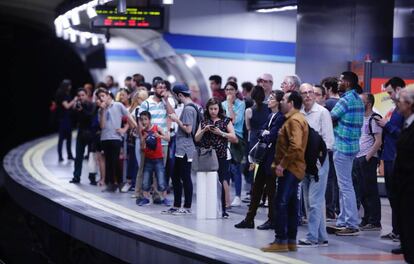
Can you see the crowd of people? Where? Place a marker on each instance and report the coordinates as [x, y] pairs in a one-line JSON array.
[[323, 145]]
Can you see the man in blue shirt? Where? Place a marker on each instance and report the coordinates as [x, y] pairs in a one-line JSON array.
[[348, 114], [391, 132]]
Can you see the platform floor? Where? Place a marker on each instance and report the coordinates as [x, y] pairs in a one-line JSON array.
[[365, 248]]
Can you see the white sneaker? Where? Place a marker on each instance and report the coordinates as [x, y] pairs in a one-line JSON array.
[[126, 187], [236, 201], [182, 211]]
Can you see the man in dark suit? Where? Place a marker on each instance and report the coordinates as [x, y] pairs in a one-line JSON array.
[[404, 173]]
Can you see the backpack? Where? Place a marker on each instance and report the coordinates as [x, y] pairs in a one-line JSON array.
[[151, 140], [199, 118], [315, 151], [373, 134]]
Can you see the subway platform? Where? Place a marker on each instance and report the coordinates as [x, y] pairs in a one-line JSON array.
[[113, 223]]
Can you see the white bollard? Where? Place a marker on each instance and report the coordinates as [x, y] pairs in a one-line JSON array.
[[207, 205]]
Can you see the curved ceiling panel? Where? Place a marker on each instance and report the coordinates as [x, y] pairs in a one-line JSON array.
[[154, 48]]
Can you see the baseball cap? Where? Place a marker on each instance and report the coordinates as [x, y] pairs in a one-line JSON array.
[[181, 88]]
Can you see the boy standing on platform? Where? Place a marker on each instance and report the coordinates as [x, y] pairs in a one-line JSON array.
[[154, 163]]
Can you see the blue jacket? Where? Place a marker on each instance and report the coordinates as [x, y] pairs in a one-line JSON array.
[[271, 138], [390, 134]]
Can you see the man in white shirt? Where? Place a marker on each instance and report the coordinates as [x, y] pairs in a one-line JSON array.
[[314, 189]]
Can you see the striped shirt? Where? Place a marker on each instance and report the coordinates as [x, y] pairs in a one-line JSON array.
[[158, 113], [349, 115]]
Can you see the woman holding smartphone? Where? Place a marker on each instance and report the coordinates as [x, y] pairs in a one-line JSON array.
[[216, 130]]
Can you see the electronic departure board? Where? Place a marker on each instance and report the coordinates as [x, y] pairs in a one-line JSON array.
[[135, 17]]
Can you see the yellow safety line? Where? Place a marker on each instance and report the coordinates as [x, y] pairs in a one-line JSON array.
[[33, 163]]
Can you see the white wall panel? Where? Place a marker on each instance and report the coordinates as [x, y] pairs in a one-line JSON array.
[[230, 18]]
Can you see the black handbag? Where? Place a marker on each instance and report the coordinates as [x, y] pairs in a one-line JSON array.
[[205, 160], [257, 153]]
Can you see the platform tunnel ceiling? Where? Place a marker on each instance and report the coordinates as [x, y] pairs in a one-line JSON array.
[[43, 12]]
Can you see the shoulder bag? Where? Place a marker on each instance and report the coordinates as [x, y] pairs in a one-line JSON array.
[[205, 160]]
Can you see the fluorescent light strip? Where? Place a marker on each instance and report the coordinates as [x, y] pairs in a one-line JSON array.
[[64, 28], [74, 16], [277, 9]]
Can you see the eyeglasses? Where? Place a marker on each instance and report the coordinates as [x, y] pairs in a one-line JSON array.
[[307, 92], [401, 101], [265, 81], [230, 89]]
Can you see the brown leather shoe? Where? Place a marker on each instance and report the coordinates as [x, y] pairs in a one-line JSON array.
[[275, 247], [292, 247]]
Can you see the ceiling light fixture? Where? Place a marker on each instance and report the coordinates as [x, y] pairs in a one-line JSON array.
[[74, 16], [91, 12], [95, 40], [63, 23], [171, 78], [190, 62], [277, 9]]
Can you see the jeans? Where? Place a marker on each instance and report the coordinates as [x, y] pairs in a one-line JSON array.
[[132, 164], [235, 172], [314, 196], [138, 151], [388, 176], [348, 216], [301, 204], [332, 190], [138, 180], [364, 175], [151, 166], [170, 164], [286, 208], [182, 178], [81, 142], [65, 133]]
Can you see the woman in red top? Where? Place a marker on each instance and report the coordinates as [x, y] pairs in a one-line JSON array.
[[154, 163]]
